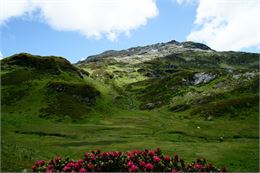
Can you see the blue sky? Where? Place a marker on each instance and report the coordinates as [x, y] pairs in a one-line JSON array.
[[39, 32]]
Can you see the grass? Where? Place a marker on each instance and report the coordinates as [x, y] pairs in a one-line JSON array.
[[124, 130]]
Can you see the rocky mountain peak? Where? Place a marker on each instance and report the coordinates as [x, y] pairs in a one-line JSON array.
[[143, 53]]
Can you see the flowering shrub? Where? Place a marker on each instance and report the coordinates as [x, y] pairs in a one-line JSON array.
[[135, 161]]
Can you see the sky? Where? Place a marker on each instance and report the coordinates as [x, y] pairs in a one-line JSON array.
[[76, 29]]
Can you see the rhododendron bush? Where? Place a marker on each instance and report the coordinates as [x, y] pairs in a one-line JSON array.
[[135, 161]]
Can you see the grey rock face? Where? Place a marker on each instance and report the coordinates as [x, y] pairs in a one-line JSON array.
[[247, 75], [203, 77], [218, 85], [149, 106]]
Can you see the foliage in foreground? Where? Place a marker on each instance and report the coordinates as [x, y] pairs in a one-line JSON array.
[[135, 161]]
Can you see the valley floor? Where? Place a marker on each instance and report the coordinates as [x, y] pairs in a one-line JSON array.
[[24, 141]]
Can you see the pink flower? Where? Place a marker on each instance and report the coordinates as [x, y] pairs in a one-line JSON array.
[[149, 166], [197, 166], [131, 155], [76, 165], [156, 159], [70, 164], [167, 158], [133, 168], [115, 154], [40, 162], [33, 166], [66, 169], [104, 154], [82, 170], [135, 152], [93, 158], [142, 163], [80, 161], [151, 153], [48, 171], [130, 163]]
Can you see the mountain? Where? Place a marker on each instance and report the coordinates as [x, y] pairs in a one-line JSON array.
[[182, 94], [150, 52], [179, 75]]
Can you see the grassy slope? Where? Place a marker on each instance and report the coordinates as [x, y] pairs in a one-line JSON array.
[[111, 124]]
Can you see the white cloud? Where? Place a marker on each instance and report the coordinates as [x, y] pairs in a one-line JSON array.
[[227, 24], [188, 2], [1, 55], [92, 18]]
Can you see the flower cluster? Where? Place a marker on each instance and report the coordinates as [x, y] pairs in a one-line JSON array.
[[135, 161]]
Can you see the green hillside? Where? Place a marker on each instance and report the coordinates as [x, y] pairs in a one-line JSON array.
[[182, 97]]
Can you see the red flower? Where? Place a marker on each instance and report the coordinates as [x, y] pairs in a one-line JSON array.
[[197, 166], [49, 171], [151, 152], [93, 157], [66, 169], [167, 158], [130, 163], [40, 162], [86, 155], [82, 170], [149, 166], [156, 159], [174, 170], [80, 161], [76, 165], [131, 156], [115, 154], [90, 166], [104, 154], [135, 152], [133, 168], [142, 163], [137, 160], [70, 164], [158, 149]]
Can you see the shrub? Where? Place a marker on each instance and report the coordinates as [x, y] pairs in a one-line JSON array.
[[135, 161]]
